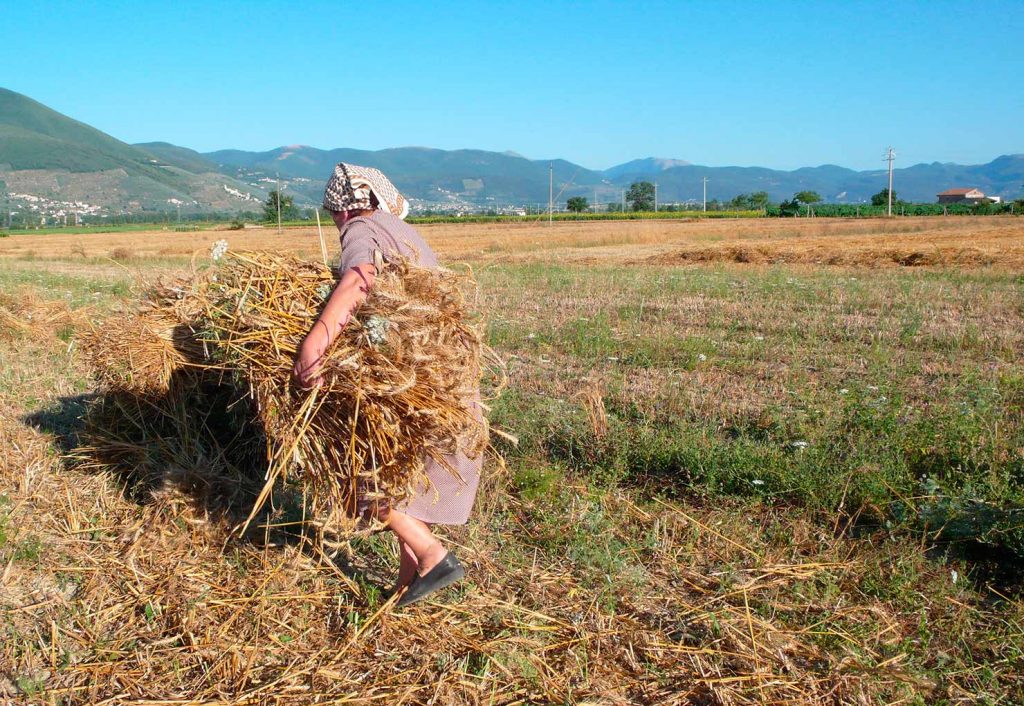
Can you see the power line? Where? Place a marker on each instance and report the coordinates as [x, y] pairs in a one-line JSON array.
[[567, 184], [704, 208]]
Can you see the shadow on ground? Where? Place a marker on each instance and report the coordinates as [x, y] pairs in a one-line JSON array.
[[201, 440]]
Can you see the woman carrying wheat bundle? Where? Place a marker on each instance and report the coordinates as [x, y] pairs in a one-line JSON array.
[[369, 213]]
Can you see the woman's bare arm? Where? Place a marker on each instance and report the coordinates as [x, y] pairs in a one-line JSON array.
[[350, 291]]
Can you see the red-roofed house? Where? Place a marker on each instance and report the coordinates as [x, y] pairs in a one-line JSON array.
[[961, 196]]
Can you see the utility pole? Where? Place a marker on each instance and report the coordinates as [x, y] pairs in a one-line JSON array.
[[595, 200], [704, 208], [279, 203], [551, 191], [890, 155]]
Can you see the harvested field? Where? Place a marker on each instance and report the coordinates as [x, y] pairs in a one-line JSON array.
[[953, 241], [738, 482]]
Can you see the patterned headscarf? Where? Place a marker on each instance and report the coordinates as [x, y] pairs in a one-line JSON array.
[[350, 186]]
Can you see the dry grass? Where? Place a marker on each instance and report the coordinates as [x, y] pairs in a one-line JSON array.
[[123, 603], [583, 592], [24, 313], [963, 241], [1001, 248]]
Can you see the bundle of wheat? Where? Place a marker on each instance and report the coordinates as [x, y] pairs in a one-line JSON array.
[[395, 384]]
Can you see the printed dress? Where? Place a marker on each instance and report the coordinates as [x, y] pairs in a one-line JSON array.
[[448, 499]]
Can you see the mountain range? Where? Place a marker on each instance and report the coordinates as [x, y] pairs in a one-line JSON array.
[[53, 164]]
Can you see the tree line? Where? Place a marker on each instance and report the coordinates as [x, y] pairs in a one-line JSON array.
[[641, 197]]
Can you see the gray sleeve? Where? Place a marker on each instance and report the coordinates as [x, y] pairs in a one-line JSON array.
[[357, 247]]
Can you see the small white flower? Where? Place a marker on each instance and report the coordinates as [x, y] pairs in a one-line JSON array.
[[613, 358], [873, 388], [324, 291], [758, 338], [531, 336], [757, 481], [702, 357], [376, 330], [799, 444], [844, 391], [218, 250], [954, 575]]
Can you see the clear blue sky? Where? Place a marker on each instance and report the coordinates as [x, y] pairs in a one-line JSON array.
[[776, 84]]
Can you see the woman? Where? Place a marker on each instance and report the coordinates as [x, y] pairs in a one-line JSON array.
[[369, 213]]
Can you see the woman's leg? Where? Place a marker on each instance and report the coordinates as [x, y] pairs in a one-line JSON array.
[[416, 535], [407, 567]]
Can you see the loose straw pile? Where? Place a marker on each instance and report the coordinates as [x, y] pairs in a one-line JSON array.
[[23, 313], [397, 383]]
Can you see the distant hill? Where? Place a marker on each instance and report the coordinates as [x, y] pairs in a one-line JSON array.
[[53, 164], [431, 176], [180, 157], [476, 178], [1003, 176], [36, 137], [643, 167]]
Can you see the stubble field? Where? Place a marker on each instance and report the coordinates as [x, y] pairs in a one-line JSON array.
[[760, 461], [953, 241]]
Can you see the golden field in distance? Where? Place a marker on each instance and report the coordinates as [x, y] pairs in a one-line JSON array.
[[928, 241]]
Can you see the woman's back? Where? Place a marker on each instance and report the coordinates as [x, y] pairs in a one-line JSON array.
[[389, 234]]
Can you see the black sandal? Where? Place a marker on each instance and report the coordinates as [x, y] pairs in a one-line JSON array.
[[447, 572]]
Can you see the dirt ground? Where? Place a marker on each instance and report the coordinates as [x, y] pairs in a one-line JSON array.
[[958, 241]]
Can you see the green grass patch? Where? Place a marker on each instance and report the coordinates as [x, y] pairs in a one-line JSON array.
[[941, 454]]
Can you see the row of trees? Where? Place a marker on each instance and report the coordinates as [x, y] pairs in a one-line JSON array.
[[809, 198], [641, 195]]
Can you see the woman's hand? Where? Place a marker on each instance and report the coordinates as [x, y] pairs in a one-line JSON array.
[[310, 357]]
